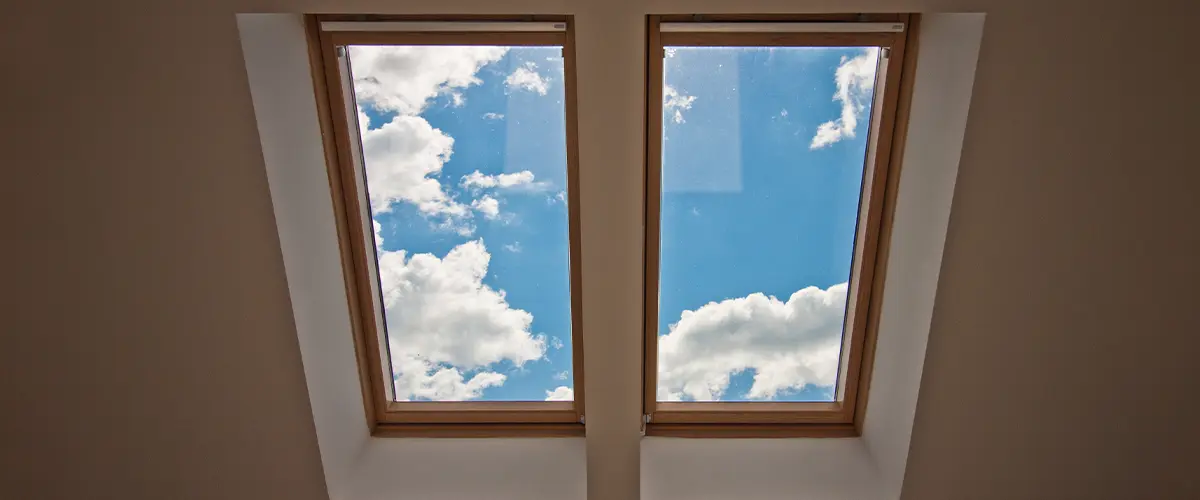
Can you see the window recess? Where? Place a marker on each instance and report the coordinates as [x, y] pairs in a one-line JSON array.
[[772, 159], [451, 146]]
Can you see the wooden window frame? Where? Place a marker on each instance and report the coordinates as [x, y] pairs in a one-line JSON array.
[[843, 417], [385, 417]]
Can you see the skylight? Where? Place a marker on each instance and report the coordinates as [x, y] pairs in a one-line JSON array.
[[454, 176], [464, 149], [768, 155]]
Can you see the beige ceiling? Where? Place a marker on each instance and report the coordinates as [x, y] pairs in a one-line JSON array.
[[148, 349]]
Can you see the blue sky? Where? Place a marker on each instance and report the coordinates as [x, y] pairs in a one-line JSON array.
[[466, 167], [749, 204], [499, 128]]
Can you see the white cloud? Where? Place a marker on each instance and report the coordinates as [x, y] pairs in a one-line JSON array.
[[855, 80], [364, 121], [487, 206], [443, 321], [405, 78], [405, 156], [526, 77], [401, 156], [674, 103], [493, 116], [514, 247], [378, 235], [788, 345], [556, 343], [559, 197], [523, 180], [418, 378], [561, 393], [563, 375]]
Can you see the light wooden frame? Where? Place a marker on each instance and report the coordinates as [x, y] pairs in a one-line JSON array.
[[389, 418], [844, 417]]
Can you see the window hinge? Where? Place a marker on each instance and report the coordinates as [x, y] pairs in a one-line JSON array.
[[341, 51], [645, 420], [583, 419], [885, 52]]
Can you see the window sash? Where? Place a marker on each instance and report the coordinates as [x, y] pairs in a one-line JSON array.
[[842, 417], [334, 95]]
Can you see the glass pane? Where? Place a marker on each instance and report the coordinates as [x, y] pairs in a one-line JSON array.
[[466, 173], [763, 155]]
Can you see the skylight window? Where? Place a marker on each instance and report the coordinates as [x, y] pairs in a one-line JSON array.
[[767, 167], [454, 171]]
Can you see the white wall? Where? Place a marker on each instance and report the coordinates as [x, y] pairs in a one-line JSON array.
[[276, 63], [757, 469], [361, 468], [949, 49], [456, 469]]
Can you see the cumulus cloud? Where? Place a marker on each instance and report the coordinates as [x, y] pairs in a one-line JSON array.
[[561, 393], [400, 158], [674, 103], [563, 375], [487, 206], [526, 77], [417, 378], [514, 247], [556, 343], [523, 180], [405, 78], [787, 344], [444, 322], [855, 79], [405, 156]]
